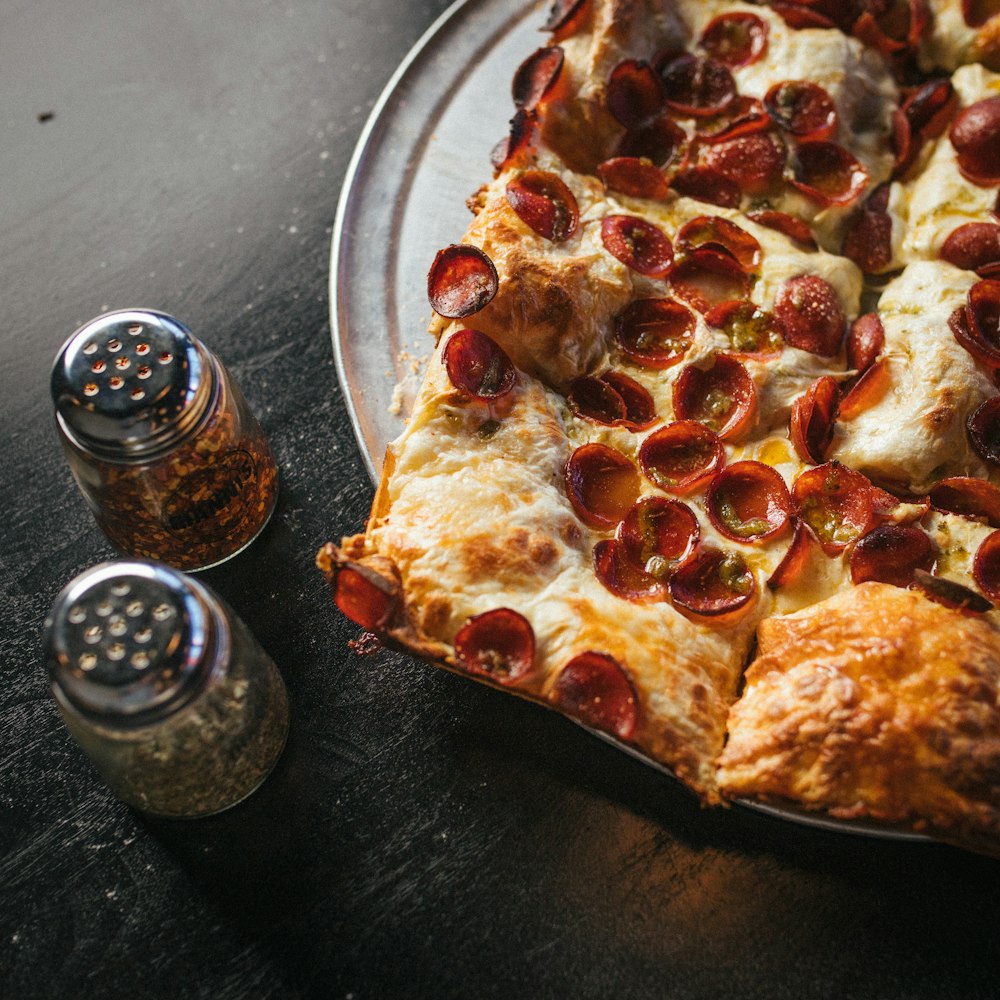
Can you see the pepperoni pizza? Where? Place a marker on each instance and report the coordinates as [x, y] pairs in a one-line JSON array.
[[707, 454]]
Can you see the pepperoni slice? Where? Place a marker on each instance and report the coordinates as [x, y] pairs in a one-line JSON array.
[[782, 222], [545, 204], [755, 162], [802, 109], [720, 234], [723, 397], [655, 333], [681, 457], [748, 502], [634, 176], [892, 553], [865, 342], [975, 134], [706, 184], [798, 16], [707, 276], [561, 13], [516, 148], [827, 173], [614, 399], [923, 115], [968, 497], [985, 351], [868, 240], [634, 94], [794, 560], [640, 410], [478, 365], [950, 594], [867, 391], [836, 503], [660, 140], [462, 280], [986, 566], [813, 414], [752, 332], [736, 39], [594, 688], [811, 315], [366, 597], [983, 428], [602, 484], [742, 116], [623, 577], [893, 29], [659, 534], [713, 583], [638, 244], [974, 246], [696, 87], [537, 76], [977, 12], [499, 644], [982, 310]]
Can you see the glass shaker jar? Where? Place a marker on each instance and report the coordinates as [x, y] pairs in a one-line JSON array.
[[167, 453], [167, 692]]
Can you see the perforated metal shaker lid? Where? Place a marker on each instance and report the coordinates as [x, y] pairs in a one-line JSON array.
[[129, 642], [130, 381]]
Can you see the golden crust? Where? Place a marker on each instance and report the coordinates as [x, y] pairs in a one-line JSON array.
[[878, 704]]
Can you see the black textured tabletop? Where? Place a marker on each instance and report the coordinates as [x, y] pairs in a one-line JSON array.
[[422, 836]]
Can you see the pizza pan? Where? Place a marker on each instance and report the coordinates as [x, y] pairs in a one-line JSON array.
[[425, 146]]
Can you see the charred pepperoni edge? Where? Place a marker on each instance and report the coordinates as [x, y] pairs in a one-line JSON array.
[[561, 13], [923, 115], [974, 246], [537, 76], [795, 558], [865, 342], [725, 314], [717, 233], [518, 146], [743, 116], [718, 267], [689, 585], [808, 158], [982, 310], [691, 383], [986, 566], [784, 223], [478, 365], [369, 598], [642, 313], [983, 351], [652, 257], [581, 464], [544, 203], [634, 94], [890, 553], [984, 431], [809, 310], [975, 135], [809, 100], [949, 593], [708, 185], [757, 29], [478, 651], [634, 176], [463, 273], [797, 16], [752, 478], [677, 435], [660, 140], [683, 526], [613, 705], [867, 391], [812, 420], [868, 239], [859, 490], [968, 497], [710, 85], [622, 576]]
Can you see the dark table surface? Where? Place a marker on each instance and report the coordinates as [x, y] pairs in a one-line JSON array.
[[422, 836]]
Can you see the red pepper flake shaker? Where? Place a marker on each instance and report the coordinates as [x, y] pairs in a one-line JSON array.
[[160, 440]]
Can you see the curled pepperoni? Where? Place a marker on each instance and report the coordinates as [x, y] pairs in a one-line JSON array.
[[720, 234], [983, 428], [813, 413], [975, 134], [891, 553], [713, 583], [923, 115], [634, 176], [366, 597], [638, 244], [974, 246], [706, 184], [602, 484], [985, 351], [561, 13], [655, 333], [794, 560], [634, 94], [968, 497], [802, 109], [696, 87], [545, 204], [624, 577], [742, 116], [681, 457], [754, 162], [782, 222], [499, 644], [827, 173], [735, 39], [753, 332], [478, 365], [868, 391], [797, 15], [982, 310], [894, 27], [865, 342], [836, 503], [950, 594], [811, 315], [462, 280], [986, 566], [660, 140], [594, 688], [748, 502], [537, 76], [868, 240], [707, 276], [723, 396], [614, 399], [516, 148], [640, 411], [977, 12], [659, 534]]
